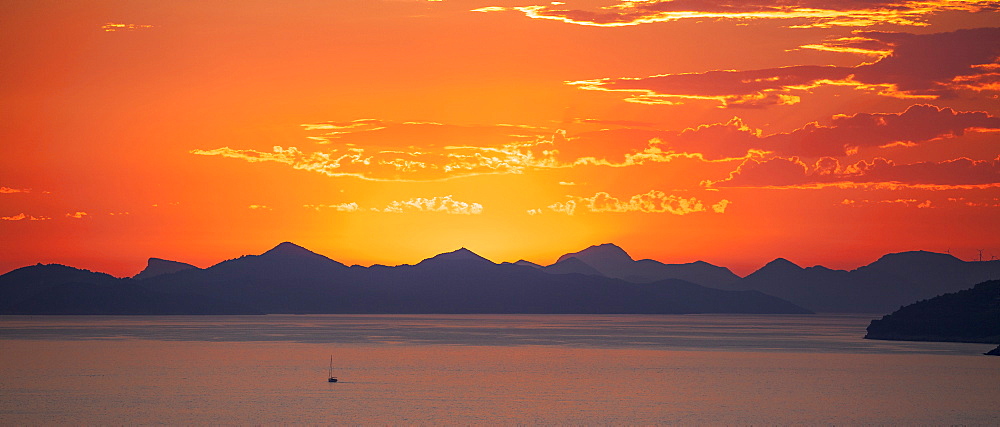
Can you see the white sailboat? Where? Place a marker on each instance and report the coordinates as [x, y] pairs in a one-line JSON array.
[[332, 378]]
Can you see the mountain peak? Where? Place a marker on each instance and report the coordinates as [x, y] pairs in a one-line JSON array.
[[603, 253], [287, 248], [158, 266], [289, 251], [917, 257], [779, 264], [461, 254]]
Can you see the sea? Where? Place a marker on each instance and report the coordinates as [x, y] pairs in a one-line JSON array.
[[485, 370]]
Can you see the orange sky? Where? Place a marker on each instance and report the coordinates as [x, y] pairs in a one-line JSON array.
[[825, 132]]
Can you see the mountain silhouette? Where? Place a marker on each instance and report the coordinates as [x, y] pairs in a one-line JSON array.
[[26, 282], [606, 258], [818, 288], [612, 261], [971, 315], [285, 279], [600, 279], [58, 289], [571, 265], [292, 279], [892, 281], [779, 266], [525, 263], [462, 255], [157, 266]]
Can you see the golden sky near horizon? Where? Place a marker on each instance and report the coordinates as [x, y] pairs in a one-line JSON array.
[[387, 131]]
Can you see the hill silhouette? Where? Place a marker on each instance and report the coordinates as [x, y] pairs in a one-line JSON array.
[[880, 287], [971, 315], [292, 279], [58, 289], [158, 266], [890, 282], [571, 265], [600, 279], [612, 261]]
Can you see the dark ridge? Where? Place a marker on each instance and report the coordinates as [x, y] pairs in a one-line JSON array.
[[461, 254], [571, 265], [971, 315], [157, 266]]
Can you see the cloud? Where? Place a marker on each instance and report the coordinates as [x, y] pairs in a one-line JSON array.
[[113, 27], [77, 215], [798, 13], [409, 151], [780, 172], [918, 124], [22, 216], [8, 190], [435, 204], [622, 123], [444, 204], [259, 207], [855, 45], [734, 139], [925, 204], [754, 88], [385, 151], [651, 202], [926, 66], [340, 207]]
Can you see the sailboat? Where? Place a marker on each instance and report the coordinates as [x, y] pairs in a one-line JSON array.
[[332, 378]]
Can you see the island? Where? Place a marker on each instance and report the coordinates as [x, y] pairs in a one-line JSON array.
[[971, 315]]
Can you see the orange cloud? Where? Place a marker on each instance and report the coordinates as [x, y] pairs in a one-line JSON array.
[[854, 45], [918, 124], [926, 204], [386, 151], [651, 202], [340, 207], [409, 151], [434, 204], [443, 204], [23, 216], [112, 27], [793, 172], [734, 139], [8, 190], [800, 13], [928, 66], [77, 215]]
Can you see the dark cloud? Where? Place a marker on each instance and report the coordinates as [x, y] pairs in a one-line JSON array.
[[918, 124], [931, 66], [800, 13], [792, 172]]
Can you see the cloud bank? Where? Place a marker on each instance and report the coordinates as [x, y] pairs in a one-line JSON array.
[[925, 66]]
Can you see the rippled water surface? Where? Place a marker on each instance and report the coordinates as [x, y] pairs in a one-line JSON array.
[[484, 369]]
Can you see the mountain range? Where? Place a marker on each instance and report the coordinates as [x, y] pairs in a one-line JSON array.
[[890, 282], [292, 279], [599, 279]]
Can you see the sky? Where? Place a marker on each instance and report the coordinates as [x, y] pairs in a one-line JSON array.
[[388, 131]]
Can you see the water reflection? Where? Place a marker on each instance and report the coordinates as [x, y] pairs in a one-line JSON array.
[[758, 333]]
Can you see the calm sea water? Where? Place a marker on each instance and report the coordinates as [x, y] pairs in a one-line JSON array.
[[485, 369]]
